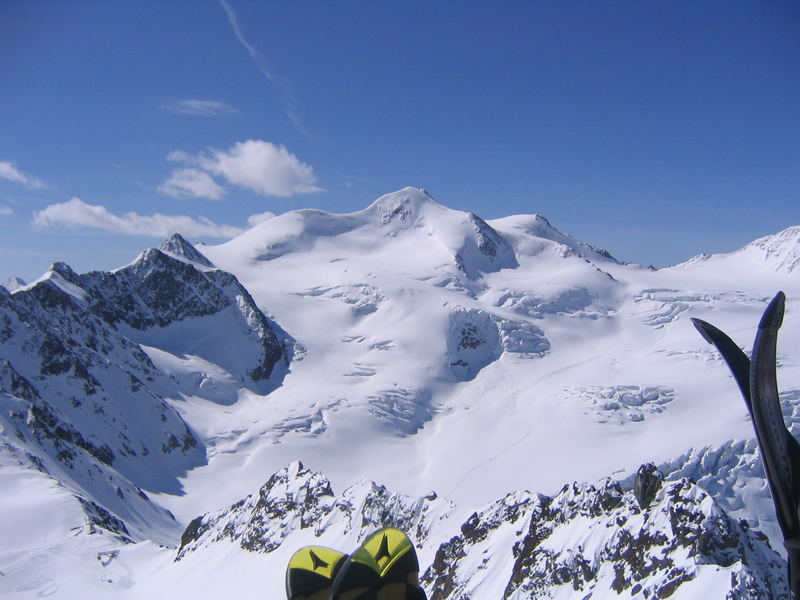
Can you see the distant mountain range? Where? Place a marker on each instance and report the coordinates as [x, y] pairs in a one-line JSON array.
[[459, 361]]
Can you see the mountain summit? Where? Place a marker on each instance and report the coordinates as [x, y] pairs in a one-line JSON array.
[[411, 229], [178, 247], [780, 250], [776, 253], [404, 208]]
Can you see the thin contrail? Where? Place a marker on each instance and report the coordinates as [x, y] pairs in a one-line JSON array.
[[261, 63], [283, 84]]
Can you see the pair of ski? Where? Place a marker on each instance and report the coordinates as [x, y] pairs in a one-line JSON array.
[[780, 452], [384, 567]]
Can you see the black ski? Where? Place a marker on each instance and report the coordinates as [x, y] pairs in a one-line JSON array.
[[780, 452]]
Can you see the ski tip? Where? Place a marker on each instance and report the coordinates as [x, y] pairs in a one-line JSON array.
[[706, 329], [773, 316]]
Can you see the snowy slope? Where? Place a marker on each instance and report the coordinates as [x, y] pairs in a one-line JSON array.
[[434, 351], [408, 339]]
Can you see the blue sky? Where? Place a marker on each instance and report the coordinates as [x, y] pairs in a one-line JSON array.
[[656, 130]]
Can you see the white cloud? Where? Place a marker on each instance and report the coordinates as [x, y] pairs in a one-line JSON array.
[[8, 170], [203, 108], [254, 220], [257, 165], [76, 213], [191, 183], [7, 210]]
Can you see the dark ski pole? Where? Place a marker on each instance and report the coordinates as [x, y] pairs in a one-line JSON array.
[[780, 452]]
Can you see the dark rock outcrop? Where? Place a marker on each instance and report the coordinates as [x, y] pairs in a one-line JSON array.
[[646, 484]]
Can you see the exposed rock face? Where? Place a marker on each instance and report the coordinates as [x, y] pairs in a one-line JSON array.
[[476, 338], [591, 539], [586, 540], [99, 517], [62, 373], [473, 341], [484, 251], [78, 400]]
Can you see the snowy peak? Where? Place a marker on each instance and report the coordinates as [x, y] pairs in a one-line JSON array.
[[408, 228], [13, 283], [475, 247], [300, 230], [780, 250], [178, 247], [162, 386], [413, 232], [404, 208], [59, 285], [530, 234], [171, 304], [480, 247]]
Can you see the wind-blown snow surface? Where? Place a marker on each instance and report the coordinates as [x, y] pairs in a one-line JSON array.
[[434, 351]]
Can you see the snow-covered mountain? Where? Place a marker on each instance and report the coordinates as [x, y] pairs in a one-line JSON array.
[[86, 362], [779, 252], [456, 360]]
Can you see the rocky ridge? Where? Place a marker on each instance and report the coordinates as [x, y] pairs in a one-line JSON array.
[[651, 541]]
